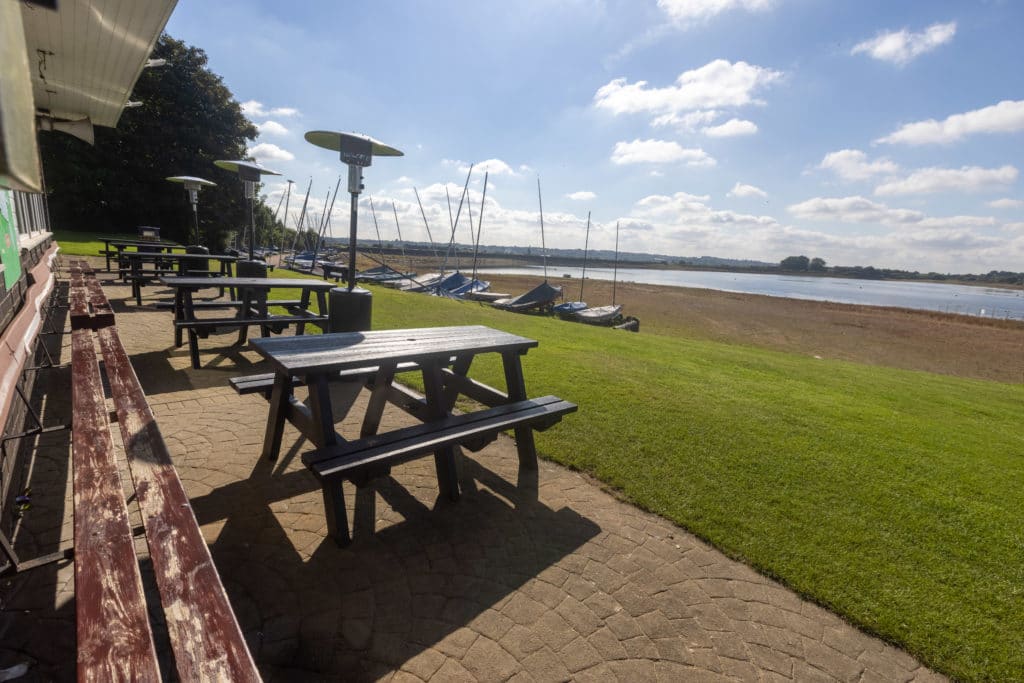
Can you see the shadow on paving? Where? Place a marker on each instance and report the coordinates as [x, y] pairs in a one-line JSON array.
[[364, 610]]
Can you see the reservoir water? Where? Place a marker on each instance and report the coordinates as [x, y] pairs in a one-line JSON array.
[[989, 302]]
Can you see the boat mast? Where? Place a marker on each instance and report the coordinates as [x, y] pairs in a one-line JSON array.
[[401, 242], [323, 225], [480, 225], [302, 215], [433, 246], [284, 221], [543, 246], [615, 267], [380, 242], [455, 223], [586, 246]]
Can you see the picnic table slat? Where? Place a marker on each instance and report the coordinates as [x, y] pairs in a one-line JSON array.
[[115, 641], [206, 638], [340, 351], [248, 282]]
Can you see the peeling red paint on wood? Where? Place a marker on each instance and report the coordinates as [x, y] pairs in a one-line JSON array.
[[205, 636], [115, 641]]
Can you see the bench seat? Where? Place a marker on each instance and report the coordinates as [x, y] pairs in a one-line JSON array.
[[288, 303], [371, 456]]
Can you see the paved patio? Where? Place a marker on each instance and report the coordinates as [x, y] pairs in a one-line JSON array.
[[544, 577]]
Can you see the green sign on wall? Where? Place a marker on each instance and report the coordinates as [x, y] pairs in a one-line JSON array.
[[9, 253]]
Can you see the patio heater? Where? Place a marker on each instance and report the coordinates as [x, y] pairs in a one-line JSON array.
[[192, 186], [250, 173], [350, 310]]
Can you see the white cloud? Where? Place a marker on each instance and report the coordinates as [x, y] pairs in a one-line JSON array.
[[255, 109], [689, 121], [741, 190], [658, 152], [492, 166], [581, 196], [717, 84], [686, 11], [1007, 203], [966, 179], [852, 210], [731, 128], [271, 128], [853, 164], [266, 151], [1004, 117], [900, 47]]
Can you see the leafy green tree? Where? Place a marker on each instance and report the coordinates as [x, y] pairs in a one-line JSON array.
[[817, 265], [796, 263], [188, 119]]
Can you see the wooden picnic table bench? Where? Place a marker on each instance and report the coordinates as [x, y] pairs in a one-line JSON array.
[[443, 356], [134, 270], [116, 247], [88, 305], [253, 293], [115, 639], [338, 271]]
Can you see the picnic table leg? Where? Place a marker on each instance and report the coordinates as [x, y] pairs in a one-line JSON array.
[[334, 510], [189, 313], [179, 310], [300, 328], [246, 297], [444, 458], [280, 397], [515, 384], [322, 411]]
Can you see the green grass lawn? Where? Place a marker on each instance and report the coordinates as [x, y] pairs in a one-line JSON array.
[[894, 498]]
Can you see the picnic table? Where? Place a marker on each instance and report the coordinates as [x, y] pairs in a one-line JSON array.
[[134, 271], [443, 356], [253, 307], [117, 247]]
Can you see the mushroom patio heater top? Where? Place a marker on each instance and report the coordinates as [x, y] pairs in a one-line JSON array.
[[192, 186], [357, 151], [249, 172]]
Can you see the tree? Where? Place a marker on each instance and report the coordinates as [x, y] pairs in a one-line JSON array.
[[817, 265], [187, 120], [797, 263]]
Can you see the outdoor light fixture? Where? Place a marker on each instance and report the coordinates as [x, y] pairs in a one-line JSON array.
[[150, 63], [192, 186], [357, 151], [249, 172], [131, 104]]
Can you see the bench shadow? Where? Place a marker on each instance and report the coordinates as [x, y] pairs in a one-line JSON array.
[[158, 375], [312, 609]]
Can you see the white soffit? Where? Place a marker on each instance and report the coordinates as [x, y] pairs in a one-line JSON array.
[[85, 57]]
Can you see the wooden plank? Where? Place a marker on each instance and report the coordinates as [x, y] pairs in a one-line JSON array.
[[115, 641], [340, 351], [348, 459], [313, 318], [258, 283], [205, 636]]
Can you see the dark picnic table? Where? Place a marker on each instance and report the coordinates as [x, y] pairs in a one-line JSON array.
[[117, 247], [132, 267], [443, 356], [253, 305]]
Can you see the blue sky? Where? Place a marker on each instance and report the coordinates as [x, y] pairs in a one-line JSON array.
[[862, 132]]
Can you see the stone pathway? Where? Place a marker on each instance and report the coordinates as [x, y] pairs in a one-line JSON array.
[[543, 577]]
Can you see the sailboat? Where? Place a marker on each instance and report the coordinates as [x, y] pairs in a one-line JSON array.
[[568, 309], [543, 296], [603, 315]]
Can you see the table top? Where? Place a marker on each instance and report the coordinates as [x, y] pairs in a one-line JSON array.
[[247, 283], [178, 257], [142, 243], [347, 350]]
